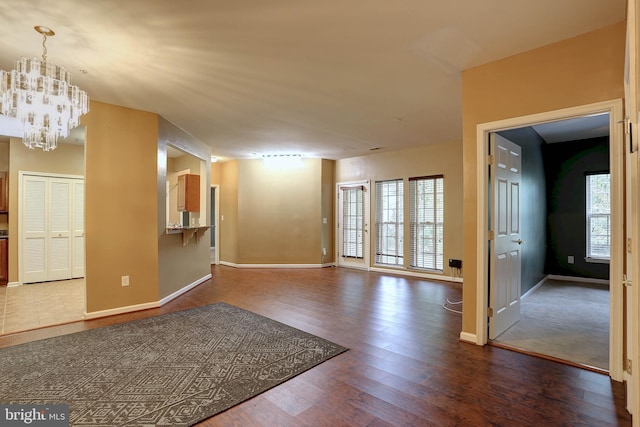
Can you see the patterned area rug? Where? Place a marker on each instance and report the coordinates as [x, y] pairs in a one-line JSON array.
[[174, 369]]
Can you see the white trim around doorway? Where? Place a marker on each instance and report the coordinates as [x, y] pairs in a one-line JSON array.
[[616, 161], [216, 228]]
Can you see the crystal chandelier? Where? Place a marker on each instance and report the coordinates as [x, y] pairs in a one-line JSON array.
[[41, 96]]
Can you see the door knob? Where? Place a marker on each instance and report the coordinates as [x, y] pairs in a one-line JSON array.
[[519, 241]]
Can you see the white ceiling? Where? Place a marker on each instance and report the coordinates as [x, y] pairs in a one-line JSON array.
[[323, 78], [592, 126]]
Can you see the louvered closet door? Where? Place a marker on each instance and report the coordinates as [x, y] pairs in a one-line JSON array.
[[34, 229], [52, 221], [59, 233]]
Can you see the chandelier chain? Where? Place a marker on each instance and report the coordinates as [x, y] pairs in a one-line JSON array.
[[44, 48]]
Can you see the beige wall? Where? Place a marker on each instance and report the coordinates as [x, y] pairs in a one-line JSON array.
[[66, 159], [4, 156], [121, 206], [573, 72], [434, 159], [274, 216], [181, 265], [228, 223], [216, 171], [328, 209], [279, 214]]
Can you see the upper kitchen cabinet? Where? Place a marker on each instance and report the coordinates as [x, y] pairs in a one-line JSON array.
[[189, 193]]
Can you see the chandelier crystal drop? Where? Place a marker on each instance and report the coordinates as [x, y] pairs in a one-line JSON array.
[[41, 96]]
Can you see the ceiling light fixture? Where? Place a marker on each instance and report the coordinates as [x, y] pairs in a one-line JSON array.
[[283, 161], [41, 96]]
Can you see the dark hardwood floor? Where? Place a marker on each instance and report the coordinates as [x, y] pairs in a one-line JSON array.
[[405, 365]]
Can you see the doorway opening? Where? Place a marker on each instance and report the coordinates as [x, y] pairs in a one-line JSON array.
[[44, 224], [565, 234], [352, 233], [614, 111], [215, 240]]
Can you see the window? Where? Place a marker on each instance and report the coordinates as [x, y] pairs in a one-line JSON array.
[[352, 222], [390, 222], [427, 222], [598, 216]]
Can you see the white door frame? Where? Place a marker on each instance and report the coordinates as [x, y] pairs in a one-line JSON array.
[[366, 250], [21, 175], [616, 157], [215, 229], [632, 112]]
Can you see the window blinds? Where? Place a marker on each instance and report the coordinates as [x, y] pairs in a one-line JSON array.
[[427, 222], [352, 221], [389, 224], [598, 216]]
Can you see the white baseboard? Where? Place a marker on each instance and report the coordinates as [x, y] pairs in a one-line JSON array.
[[578, 279], [181, 291], [147, 305], [534, 288], [469, 337], [120, 310], [417, 274], [232, 264], [14, 284]]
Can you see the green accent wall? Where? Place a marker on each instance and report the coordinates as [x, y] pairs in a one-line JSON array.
[[566, 167]]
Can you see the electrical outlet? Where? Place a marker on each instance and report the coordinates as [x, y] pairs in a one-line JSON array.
[[570, 259], [324, 251], [455, 263], [124, 280]]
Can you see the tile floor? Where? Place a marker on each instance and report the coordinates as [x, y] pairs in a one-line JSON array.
[[41, 304]]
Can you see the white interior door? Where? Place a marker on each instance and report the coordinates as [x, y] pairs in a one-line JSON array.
[[505, 259], [77, 262], [32, 257], [59, 230], [353, 225]]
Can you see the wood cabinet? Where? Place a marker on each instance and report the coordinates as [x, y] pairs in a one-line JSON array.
[[4, 191], [4, 261], [189, 193]]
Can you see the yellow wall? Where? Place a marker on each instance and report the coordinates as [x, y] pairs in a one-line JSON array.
[[577, 71], [228, 212], [121, 206], [433, 159], [66, 159]]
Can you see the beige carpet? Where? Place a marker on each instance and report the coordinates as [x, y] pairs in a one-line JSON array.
[[566, 320]]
